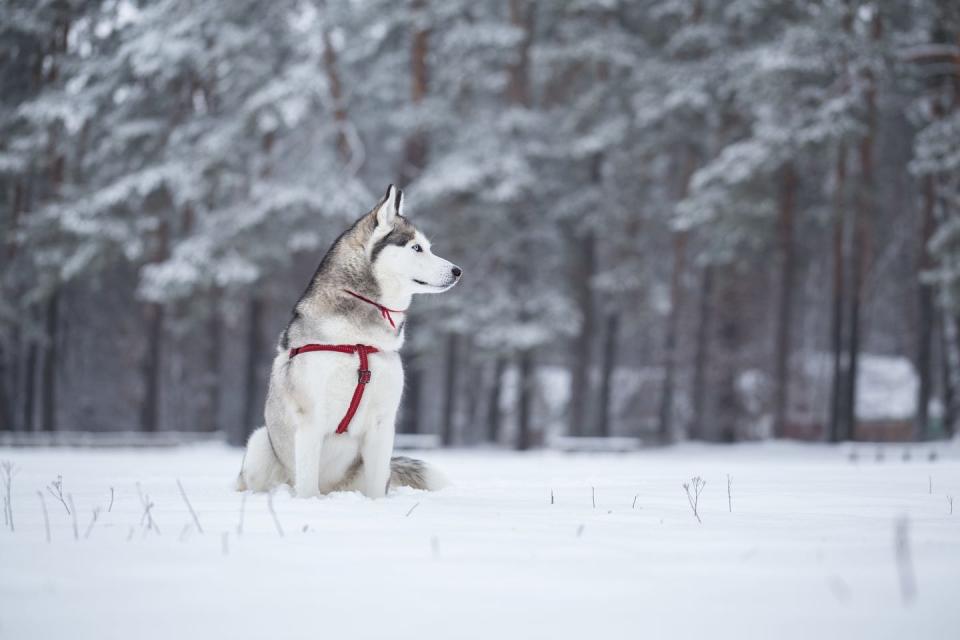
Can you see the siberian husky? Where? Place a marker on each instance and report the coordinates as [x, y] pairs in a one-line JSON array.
[[340, 354]]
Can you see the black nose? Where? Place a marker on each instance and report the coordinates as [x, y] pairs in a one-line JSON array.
[[456, 272]]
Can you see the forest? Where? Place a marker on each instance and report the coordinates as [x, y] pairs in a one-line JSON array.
[[677, 219]]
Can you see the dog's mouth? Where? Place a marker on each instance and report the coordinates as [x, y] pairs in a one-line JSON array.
[[434, 286]]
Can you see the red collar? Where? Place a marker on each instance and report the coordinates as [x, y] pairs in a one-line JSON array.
[[384, 311]]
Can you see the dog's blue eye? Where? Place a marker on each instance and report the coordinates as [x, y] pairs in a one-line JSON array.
[[417, 248]]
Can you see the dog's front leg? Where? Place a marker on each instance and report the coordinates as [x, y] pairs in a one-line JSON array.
[[308, 442], [376, 451]]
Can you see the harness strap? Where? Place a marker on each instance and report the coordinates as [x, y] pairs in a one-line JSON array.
[[384, 311], [363, 372]]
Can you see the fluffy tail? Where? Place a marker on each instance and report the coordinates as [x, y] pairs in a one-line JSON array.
[[408, 472], [260, 471]]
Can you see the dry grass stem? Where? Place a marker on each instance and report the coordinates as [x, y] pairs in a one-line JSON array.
[[73, 514], [56, 490], [93, 521], [693, 490], [46, 517], [8, 472], [193, 513]]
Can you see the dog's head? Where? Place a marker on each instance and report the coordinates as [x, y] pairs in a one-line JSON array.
[[401, 255]]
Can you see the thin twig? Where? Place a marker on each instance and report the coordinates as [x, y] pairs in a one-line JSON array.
[[193, 513], [593, 496], [8, 473], [93, 521], [73, 513], [411, 510], [694, 498], [729, 498], [551, 496], [46, 518], [635, 501], [110, 506], [273, 513], [950, 502], [147, 512], [58, 494]]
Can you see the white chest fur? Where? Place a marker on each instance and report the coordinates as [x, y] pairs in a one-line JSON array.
[[310, 395]]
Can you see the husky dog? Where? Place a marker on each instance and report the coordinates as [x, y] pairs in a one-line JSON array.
[[356, 299]]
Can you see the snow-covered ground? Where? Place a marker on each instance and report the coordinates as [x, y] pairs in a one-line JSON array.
[[808, 551]]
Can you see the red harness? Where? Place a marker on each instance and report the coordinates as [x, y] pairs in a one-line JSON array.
[[363, 373], [362, 351]]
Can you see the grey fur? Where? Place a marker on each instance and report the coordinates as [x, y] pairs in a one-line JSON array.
[[351, 476], [345, 266], [408, 472], [402, 233], [404, 472]]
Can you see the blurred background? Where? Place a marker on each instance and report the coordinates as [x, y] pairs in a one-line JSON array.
[[678, 219]]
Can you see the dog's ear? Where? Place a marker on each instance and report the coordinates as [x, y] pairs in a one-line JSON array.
[[389, 208]]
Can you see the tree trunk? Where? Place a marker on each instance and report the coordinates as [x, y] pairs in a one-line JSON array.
[[609, 365], [946, 376], [336, 95], [56, 173], [16, 377], [680, 239], [150, 408], [525, 381], [853, 332], [493, 412], [585, 267], [729, 338], [837, 430], [411, 402], [518, 86], [670, 344], [29, 385], [252, 394], [925, 313], [210, 413], [473, 400], [415, 148], [450, 389], [6, 409], [781, 404], [859, 250], [522, 13], [48, 406], [7, 250], [702, 357], [151, 369]]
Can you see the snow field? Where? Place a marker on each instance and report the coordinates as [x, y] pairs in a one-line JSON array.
[[808, 551]]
